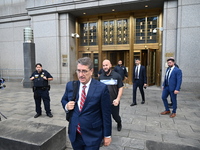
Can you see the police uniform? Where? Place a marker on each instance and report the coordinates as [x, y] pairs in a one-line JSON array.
[[41, 89], [114, 82], [121, 70]]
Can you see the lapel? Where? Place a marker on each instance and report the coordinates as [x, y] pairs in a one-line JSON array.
[[90, 92], [172, 72]]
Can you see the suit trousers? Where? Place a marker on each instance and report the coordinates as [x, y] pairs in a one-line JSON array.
[[42, 94], [135, 85], [79, 144], [115, 113], [166, 92]]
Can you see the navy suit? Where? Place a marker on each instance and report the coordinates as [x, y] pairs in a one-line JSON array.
[[174, 83], [95, 117], [139, 82]]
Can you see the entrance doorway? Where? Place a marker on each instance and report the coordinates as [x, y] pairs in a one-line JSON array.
[[148, 59], [115, 56], [95, 59]]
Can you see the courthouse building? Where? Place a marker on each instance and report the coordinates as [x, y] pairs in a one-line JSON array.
[[64, 30]]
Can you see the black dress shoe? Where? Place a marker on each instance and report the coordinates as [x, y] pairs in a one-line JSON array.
[[119, 126], [133, 104], [50, 115], [142, 102], [37, 115]]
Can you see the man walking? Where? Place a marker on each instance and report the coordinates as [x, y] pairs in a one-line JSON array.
[[91, 117], [115, 87], [139, 80], [171, 86]]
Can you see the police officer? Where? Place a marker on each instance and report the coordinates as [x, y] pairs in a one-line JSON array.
[[41, 89], [121, 70]]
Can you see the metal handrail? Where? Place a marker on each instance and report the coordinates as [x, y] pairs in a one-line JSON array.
[[12, 74]]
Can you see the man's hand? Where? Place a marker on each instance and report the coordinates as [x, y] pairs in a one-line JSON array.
[[176, 92], [70, 105], [107, 141], [45, 78], [116, 102], [32, 78]]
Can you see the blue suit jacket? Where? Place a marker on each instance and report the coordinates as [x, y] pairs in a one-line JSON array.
[[175, 79], [95, 117]]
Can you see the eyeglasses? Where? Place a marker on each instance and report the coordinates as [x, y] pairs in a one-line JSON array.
[[82, 71]]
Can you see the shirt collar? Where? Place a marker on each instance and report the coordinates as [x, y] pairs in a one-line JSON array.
[[87, 85]]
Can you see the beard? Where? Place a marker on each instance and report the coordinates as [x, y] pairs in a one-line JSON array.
[[107, 72]]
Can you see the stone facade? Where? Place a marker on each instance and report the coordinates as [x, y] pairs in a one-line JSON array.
[[53, 23]]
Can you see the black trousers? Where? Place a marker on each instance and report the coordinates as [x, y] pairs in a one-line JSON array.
[[137, 84], [115, 113], [40, 95]]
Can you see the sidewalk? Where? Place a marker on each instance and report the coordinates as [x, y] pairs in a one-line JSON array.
[[142, 125]]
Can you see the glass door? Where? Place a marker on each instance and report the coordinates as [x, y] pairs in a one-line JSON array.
[[95, 59], [149, 61]]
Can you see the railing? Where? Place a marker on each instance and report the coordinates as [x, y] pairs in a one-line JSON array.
[[12, 74]]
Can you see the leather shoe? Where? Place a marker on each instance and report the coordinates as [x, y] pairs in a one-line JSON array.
[[142, 102], [119, 126], [133, 104], [172, 115], [37, 115], [50, 115], [165, 112]]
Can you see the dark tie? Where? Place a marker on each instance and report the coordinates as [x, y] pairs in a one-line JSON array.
[[136, 73], [83, 97], [167, 76]]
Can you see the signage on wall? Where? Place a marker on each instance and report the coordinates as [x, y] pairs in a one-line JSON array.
[[64, 61]]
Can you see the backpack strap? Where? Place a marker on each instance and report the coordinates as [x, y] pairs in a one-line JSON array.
[[75, 90]]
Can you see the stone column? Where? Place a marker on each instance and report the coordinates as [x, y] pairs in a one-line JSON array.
[[29, 57]]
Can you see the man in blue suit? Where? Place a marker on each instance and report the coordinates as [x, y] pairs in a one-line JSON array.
[[91, 119], [171, 86], [139, 80]]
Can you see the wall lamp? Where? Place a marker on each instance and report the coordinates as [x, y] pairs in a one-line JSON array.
[[76, 35], [155, 30]]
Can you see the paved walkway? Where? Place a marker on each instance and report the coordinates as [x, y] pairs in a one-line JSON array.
[[143, 126]]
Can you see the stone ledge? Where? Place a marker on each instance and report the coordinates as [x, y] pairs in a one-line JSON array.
[[153, 145], [27, 135]]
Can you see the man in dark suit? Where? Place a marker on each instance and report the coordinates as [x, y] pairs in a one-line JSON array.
[[139, 80], [171, 86], [91, 118]]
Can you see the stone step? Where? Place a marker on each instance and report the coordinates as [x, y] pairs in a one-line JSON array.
[[28, 135], [153, 145]]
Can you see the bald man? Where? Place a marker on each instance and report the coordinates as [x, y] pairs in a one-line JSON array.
[[115, 86]]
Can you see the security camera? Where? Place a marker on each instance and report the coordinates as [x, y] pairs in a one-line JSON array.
[[75, 35]]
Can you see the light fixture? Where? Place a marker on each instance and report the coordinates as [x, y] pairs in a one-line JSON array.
[[113, 9], [76, 35], [155, 30], [146, 6]]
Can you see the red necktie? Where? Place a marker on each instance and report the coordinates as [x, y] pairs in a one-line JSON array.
[[83, 97]]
